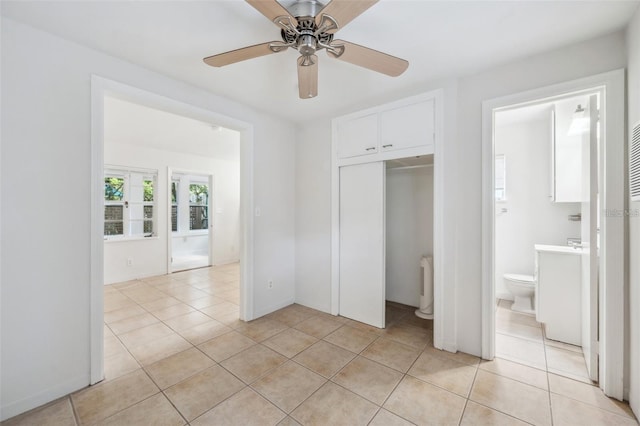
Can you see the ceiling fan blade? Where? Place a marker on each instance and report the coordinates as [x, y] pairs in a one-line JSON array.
[[368, 58], [243, 54], [308, 76], [344, 11], [271, 9]]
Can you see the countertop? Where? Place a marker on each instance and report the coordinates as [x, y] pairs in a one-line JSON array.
[[558, 249]]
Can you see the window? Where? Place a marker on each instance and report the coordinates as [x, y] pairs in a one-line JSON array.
[[198, 206], [129, 203], [175, 185]]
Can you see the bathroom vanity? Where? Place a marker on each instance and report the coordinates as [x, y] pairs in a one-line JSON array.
[[558, 292]]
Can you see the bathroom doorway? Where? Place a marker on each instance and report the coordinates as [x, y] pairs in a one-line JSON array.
[[549, 256], [543, 229]]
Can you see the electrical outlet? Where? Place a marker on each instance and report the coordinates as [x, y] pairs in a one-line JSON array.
[[270, 284], [129, 261]]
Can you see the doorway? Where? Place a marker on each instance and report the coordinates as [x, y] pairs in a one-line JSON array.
[[606, 293], [545, 234]]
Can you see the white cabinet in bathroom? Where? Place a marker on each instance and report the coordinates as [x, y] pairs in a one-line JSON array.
[[559, 292]]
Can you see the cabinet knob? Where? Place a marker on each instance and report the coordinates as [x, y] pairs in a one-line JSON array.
[[389, 145], [371, 148]]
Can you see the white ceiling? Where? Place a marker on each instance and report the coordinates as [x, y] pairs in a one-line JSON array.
[[132, 124], [438, 38]]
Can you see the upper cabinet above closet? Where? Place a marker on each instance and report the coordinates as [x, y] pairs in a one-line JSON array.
[[396, 130]]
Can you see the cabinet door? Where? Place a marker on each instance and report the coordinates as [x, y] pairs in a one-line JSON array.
[[362, 254], [358, 136], [407, 126]]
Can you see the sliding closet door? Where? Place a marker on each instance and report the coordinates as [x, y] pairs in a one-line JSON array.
[[362, 251]]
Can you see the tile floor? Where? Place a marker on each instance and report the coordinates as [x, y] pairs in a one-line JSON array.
[[176, 354], [521, 339]]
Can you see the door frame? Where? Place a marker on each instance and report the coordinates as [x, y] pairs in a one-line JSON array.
[[100, 87], [211, 205], [612, 248]]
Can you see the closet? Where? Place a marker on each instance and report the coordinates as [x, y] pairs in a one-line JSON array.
[[383, 155]]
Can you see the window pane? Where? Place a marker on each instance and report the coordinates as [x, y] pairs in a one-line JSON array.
[[148, 212], [199, 194], [113, 228], [113, 212], [174, 218], [148, 227], [198, 217], [174, 192], [148, 190], [113, 188]]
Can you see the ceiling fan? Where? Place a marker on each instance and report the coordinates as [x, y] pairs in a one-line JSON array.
[[309, 26]]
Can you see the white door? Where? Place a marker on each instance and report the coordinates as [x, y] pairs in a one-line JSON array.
[[590, 246], [362, 250]]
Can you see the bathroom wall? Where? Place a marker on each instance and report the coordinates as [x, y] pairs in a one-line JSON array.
[[409, 233], [530, 217]]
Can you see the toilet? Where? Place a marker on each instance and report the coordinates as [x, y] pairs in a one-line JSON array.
[[522, 287]]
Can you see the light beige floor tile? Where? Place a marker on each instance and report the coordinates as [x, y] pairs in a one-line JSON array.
[[476, 414], [324, 358], [422, 403], [205, 302], [290, 342], [229, 319], [362, 326], [56, 413], [105, 399], [171, 370], [143, 294], [521, 351], [417, 322], [288, 385], [368, 379], [351, 339], [185, 321], [204, 332], [517, 399], [392, 354], [143, 335], [455, 356], [154, 351], [253, 363], [522, 373], [288, 421], [190, 294], [156, 411], [246, 408], [112, 346], [114, 301], [386, 418], [516, 317], [201, 392], [567, 363], [165, 302], [119, 365], [562, 345], [261, 329], [172, 311], [223, 309], [120, 314], [290, 316], [347, 408], [451, 375], [588, 394], [567, 411], [132, 323], [519, 330], [318, 326], [226, 345], [408, 335]]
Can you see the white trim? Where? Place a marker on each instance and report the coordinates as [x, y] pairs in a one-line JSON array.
[[444, 323], [99, 88], [612, 276]]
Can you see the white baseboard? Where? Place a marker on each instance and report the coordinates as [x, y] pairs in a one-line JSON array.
[[14, 408]]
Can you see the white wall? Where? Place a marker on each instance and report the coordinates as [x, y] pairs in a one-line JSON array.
[[409, 223], [531, 217], [633, 99], [46, 134], [149, 255]]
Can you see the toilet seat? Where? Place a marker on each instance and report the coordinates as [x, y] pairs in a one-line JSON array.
[[520, 278]]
